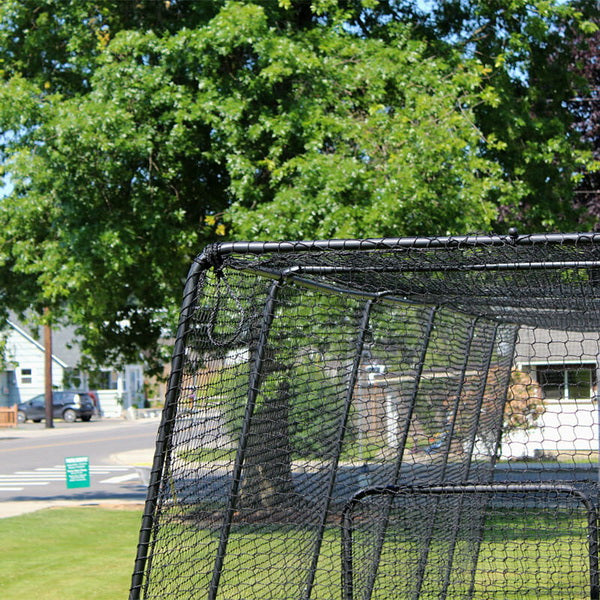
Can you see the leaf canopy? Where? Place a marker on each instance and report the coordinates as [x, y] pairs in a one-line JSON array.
[[133, 133]]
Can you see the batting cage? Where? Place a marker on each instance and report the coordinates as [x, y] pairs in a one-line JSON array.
[[410, 418]]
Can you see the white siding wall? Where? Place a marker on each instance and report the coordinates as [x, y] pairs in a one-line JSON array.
[[26, 354], [564, 427]]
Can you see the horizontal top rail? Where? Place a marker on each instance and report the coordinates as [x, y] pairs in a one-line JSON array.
[[389, 243]]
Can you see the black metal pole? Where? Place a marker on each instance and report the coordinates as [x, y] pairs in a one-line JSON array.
[[165, 429], [593, 550], [360, 343], [347, 558], [408, 243], [498, 428], [253, 390], [477, 414], [397, 469], [426, 547]]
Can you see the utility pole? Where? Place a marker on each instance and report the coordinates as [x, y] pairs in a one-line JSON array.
[[48, 370]]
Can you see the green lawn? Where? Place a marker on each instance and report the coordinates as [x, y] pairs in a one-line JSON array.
[[88, 553], [68, 554]]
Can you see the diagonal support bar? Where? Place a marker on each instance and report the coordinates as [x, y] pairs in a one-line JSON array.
[[398, 466], [166, 427], [360, 344], [253, 390]]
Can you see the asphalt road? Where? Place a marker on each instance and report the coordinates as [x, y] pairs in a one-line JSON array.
[[32, 460]]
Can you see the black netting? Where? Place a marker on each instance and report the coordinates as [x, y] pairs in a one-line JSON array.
[[307, 375], [470, 541]]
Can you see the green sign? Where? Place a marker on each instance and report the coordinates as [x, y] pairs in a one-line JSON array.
[[77, 469]]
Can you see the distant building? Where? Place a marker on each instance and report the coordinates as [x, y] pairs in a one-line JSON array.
[[23, 376], [566, 366]]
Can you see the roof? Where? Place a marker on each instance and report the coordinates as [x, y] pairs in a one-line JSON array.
[[65, 348]]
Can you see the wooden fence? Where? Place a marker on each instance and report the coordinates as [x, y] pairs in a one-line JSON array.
[[8, 416]]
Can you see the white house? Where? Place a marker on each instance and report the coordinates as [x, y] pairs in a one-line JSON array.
[[566, 366], [23, 377]]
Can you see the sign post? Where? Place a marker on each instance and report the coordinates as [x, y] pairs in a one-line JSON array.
[[77, 470]]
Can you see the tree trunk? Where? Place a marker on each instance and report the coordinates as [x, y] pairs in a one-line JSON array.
[[267, 483]]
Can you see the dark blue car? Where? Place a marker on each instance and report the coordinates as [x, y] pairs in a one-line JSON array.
[[65, 405]]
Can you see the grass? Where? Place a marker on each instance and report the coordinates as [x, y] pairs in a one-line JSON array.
[[68, 554], [524, 555], [207, 455], [88, 553], [365, 453]]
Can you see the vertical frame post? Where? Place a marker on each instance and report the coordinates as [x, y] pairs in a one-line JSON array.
[[253, 390], [592, 515], [499, 427], [166, 426], [597, 399], [396, 476], [425, 550], [459, 391], [456, 524], [360, 344], [500, 416]]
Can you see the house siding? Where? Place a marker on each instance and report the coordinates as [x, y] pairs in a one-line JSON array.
[[24, 353], [567, 425]]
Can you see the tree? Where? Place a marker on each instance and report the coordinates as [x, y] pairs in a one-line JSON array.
[[525, 403], [125, 158], [136, 132], [526, 46], [585, 107]]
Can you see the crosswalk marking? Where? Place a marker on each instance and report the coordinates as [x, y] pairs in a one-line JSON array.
[[30, 476], [17, 481], [121, 478]]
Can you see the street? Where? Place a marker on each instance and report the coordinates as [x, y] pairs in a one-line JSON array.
[[32, 466]]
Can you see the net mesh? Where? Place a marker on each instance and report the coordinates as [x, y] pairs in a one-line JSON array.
[[306, 374], [486, 542]]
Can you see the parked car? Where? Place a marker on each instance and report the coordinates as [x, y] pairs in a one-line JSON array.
[[67, 405]]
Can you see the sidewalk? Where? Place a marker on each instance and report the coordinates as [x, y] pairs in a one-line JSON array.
[[38, 430], [138, 458]]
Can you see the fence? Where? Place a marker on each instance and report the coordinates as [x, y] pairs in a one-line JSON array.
[[8, 416]]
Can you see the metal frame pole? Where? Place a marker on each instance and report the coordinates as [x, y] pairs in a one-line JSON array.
[[253, 390], [499, 427], [597, 399], [415, 392], [449, 489], [425, 551], [477, 413], [166, 427], [360, 343]]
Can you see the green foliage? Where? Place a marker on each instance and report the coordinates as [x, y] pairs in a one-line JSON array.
[[388, 144], [526, 48], [136, 132], [4, 358]]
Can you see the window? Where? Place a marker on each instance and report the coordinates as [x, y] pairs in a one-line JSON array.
[[26, 376], [567, 382], [103, 380]]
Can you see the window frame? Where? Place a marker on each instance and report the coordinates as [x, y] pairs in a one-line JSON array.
[[565, 388], [26, 376]]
